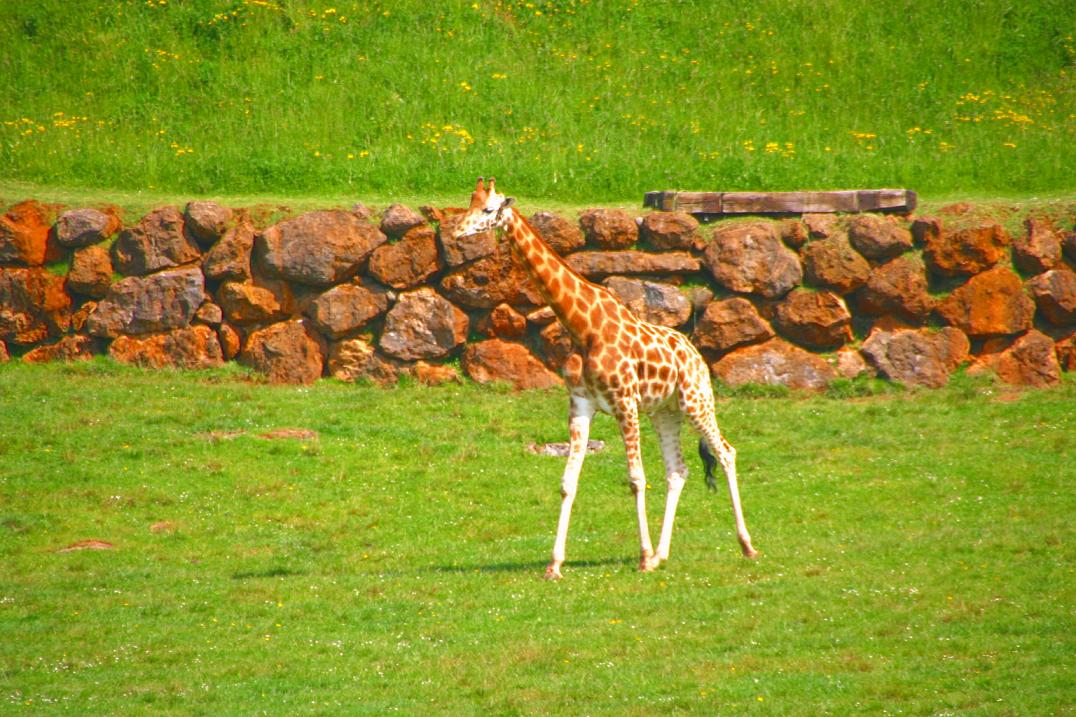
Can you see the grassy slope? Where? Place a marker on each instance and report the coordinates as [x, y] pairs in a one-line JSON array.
[[917, 555], [574, 101]]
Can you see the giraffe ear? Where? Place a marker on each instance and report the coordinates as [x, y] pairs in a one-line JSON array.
[[478, 186], [508, 201]]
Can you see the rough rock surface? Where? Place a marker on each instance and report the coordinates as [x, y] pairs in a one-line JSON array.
[[356, 358], [504, 322], [317, 248], [917, 358], [423, 325], [458, 251], [609, 228], [83, 227], [408, 262], [1038, 249], [191, 347], [26, 237], [989, 304], [346, 308], [431, 374], [897, 287], [878, 238], [159, 241], [749, 257], [730, 323], [817, 319], [90, 273], [229, 258], [967, 251], [1031, 360], [68, 348], [774, 363], [260, 302], [599, 264], [834, 264], [497, 360], [793, 233], [821, 226], [496, 279], [651, 301], [287, 352], [1055, 294], [398, 219], [562, 235], [670, 230], [206, 221], [142, 305]]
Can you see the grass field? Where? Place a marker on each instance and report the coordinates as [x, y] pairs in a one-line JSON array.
[[577, 100], [381, 552]]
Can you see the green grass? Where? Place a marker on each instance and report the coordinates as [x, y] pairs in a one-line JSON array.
[[578, 100], [917, 553]]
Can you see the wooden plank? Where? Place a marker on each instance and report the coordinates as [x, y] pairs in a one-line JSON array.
[[875, 200], [723, 203], [698, 202]]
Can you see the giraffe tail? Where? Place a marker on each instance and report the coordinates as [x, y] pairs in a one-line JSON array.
[[709, 461]]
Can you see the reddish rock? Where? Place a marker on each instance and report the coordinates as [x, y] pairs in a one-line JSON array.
[[1068, 246], [1054, 292], [229, 259], [555, 345], [562, 235], [897, 287], [159, 241], [989, 304], [1038, 249], [968, 251], [1065, 348], [609, 228], [817, 319], [541, 316], [821, 226], [398, 219], [69, 348], [917, 358], [749, 257], [151, 304], [600, 264], [774, 363], [209, 314], [83, 227], [496, 279], [497, 360], [793, 233], [263, 301], [33, 306], [423, 325], [4, 355], [26, 237], [851, 364], [230, 343], [192, 347], [670, 230], [408, 262], [207, 221], [90, 273], [459, 251], [878, 238], [80, 316], [435, 374], [287, 352], [356, 359], [656, 303], [346, 308], [833, 263], [1030, 361], [730, 323], [504, 322], [925, 230], [317, 248]]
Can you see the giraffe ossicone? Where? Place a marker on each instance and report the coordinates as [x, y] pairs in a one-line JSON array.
[[622, 366]]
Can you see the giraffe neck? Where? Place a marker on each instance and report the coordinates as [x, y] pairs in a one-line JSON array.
[[581, 307]]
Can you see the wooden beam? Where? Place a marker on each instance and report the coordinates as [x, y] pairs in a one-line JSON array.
[[722, 203]]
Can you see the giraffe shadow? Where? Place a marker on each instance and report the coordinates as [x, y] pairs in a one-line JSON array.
[[533, 566]]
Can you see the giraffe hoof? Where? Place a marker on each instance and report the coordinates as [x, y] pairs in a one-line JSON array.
[[649, 563], [749, 552], [553, 572]]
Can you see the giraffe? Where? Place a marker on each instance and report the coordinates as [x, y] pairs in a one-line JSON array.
[[622, 366]]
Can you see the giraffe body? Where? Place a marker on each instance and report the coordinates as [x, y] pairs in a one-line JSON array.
[[623, 366]]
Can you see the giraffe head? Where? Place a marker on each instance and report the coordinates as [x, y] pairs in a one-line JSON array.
[[487, 210]]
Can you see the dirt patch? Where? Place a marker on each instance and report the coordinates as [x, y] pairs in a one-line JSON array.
[[276, 434], [86, 545]]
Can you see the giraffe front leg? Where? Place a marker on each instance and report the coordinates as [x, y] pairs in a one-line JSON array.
[[667, 425], [582, 411], [628, 418]]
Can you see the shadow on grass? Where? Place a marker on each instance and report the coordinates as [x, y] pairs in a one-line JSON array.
[[537, 566]]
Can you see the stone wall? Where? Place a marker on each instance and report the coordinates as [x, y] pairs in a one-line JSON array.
[[354, 294]]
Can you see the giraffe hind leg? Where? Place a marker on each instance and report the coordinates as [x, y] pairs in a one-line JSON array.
[[709, 462]]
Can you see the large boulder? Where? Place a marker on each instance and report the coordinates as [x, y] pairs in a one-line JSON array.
[[750, 258], [83, 227], [207, 221], [562, 235], [356, 358], [817, 319], [495, 279], [651, 301], [1031, 360], [90, 273], [727, 324], [989, 304], [967, 251], [69, 348], [497, 360], [26, 237], [159, 241], [917, 357], [774, 363], [503, 322], [878, 238], [1055, 294], [600, 264], [155, 303], [670, 230], [897, 287], [287, 352], [229, 258], [1038, 249], [407, 262], [192, 347], [346, 308], [33, 306], [423, 325], [317, 248], [398, 219], [609, 228], [833, 264], [256, 302]]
